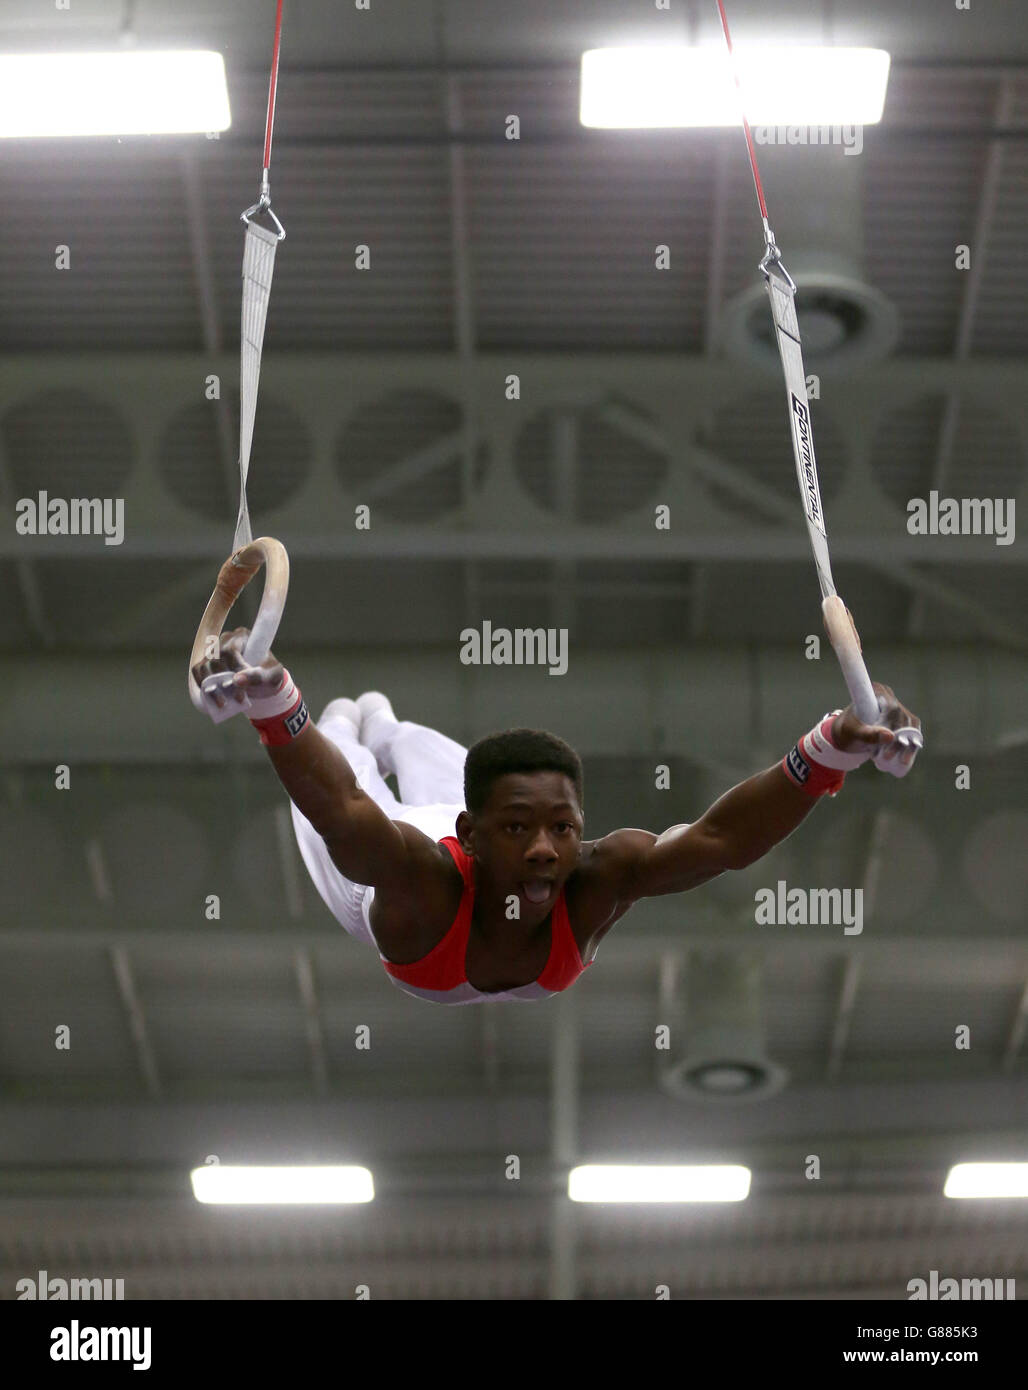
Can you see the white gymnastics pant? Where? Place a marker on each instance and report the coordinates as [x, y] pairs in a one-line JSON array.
[[429, 769]]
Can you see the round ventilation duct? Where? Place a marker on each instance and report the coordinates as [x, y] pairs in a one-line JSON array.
[[815, 200], [55, 439], [191, 466], [720, 1020]]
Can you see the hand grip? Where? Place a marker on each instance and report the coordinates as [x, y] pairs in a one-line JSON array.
[[233, 577], [842, 634]]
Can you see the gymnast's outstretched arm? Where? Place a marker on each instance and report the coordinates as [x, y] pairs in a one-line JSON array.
[[365, 845], [750, 819]]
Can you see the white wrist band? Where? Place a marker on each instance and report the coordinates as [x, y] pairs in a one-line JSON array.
[[818, 747], [280, 702]]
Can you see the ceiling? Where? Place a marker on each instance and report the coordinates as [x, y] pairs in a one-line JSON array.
[[490, 257]]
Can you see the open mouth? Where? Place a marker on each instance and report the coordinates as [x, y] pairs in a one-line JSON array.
[[537, 890]]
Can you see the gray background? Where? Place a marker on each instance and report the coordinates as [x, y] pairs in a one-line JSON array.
[[490, 257]]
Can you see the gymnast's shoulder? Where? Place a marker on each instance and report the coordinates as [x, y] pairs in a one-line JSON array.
[[611, 863]]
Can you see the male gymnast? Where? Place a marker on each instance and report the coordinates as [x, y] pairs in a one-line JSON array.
[[477, 885]]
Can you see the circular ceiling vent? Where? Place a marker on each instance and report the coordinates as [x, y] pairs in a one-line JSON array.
[[591, 462], [981, 452], [404, 453], [66, 443], [726, 1076], [193, 471], [844, 323], [719, 1020], [752, 434]]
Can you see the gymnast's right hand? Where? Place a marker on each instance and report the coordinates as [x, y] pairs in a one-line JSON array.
[[247, 683]]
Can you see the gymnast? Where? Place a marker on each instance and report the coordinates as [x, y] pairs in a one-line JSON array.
[[477, 884]]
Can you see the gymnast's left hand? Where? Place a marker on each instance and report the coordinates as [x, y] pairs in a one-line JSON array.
[[879, 740]]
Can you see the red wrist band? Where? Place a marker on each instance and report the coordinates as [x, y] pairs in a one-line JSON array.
[[810, 776], [283, 728], [817, 764]]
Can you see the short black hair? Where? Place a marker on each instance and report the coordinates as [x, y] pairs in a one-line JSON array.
[[516, 750]]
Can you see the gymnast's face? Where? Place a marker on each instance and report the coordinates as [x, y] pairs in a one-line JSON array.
[[526, 838]]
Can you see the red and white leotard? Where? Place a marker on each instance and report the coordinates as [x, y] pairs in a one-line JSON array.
[[441, 975]]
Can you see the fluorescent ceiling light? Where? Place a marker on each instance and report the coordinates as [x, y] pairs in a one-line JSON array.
[[667, 1183], [112, 94], [680, 86], [219, 1182], [987, 1180]]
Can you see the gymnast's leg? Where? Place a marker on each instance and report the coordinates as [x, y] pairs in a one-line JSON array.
[[340, 722], [429, 767]]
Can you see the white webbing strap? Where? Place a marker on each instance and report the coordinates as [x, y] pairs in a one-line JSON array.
[[781, 291], [258, 268]]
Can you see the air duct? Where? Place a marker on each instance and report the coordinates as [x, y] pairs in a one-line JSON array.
[[814, 199], [720, 1023]]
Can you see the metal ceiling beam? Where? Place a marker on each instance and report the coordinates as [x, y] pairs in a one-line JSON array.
[[851, 967], [1015, 1035], [971, 699], [954, 598], [524, 67], [877, 853], [200, 250], [96, 863], [129, 997], [712, 467], [892, 555], [210, 320], [843, 1016], [139, 619], [887, 1072], [32, 600], [511, 527], [393, 477], [600, 138], [564, 443], [711, 327], [313, 1030], [463, 292], [697, 604], [288, 857], [987, 201], [910, 959], [621, 590], [464, 322], [32, 1168], [716, 251]]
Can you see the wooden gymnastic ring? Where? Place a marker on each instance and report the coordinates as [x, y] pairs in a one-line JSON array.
[[233, 577]]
